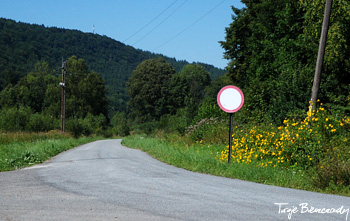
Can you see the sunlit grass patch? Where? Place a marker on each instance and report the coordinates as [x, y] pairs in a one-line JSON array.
[[18, 150]]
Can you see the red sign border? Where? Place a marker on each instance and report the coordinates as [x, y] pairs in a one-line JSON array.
[[222, 90]]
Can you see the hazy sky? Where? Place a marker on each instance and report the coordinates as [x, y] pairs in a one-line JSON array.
[[184, 29]]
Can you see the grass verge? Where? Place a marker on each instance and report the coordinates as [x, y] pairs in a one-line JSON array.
[[203, 158], [18, 150]]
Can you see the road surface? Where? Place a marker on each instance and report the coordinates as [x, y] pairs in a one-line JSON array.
[[104, 180]]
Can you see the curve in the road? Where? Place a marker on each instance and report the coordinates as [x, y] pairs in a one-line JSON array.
[[108, 173]]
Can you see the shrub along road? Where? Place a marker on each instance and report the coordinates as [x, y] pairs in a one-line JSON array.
[[103, 180]]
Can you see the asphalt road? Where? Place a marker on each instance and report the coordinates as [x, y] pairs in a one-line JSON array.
[[105, 181]]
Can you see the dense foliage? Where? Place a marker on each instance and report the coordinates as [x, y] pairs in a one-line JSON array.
[[272, 48], [23, 45], [149, 91], [188, 88], [34, 103], [160, 98]]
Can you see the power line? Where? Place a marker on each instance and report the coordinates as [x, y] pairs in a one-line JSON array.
[[150, 21], [189, 26], [160, 23]]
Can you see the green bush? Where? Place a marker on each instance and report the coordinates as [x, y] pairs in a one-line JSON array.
[[120, 125], [94, 124], [334, 168], [40, 122], [86, 126], [14, 119], [209, 110], [75, 127], [146, 128], [175, 123], [108, 132], [212, 130]]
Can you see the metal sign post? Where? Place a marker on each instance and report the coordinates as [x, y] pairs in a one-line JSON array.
[[63, 97], [230, 141], [230, 99]]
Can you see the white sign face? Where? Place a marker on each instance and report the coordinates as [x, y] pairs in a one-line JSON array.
[[230, 99]]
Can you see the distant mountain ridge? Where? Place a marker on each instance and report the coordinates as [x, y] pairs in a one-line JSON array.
[[22, 45]]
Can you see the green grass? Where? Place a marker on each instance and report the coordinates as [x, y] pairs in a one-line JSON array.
[[18, 150], [203, 158]]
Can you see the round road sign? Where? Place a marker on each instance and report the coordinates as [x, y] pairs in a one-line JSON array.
[[230, 99]]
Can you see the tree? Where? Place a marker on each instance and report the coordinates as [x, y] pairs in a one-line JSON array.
[[188, 88], [22, 45], [262, 46], [85, 91], [197, 79], [272, 47], [335, 79], [36, 90], [120, 125], [148, 88], [211, 91], [39, 91]]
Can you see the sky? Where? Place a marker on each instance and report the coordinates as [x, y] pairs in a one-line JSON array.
[[183, 29]]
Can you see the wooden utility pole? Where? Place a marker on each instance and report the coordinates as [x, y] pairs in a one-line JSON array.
[[63, 97], [320, 55]]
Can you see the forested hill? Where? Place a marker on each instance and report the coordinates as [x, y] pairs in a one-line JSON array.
[[22, 45]]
